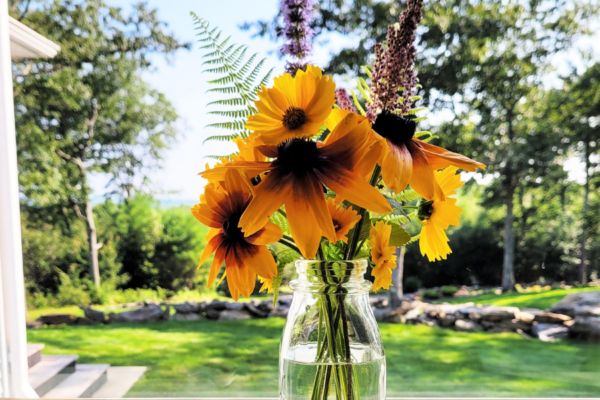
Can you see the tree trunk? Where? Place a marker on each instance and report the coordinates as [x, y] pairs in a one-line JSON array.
[[92, 243], [396, 291], [508, 276], [584, 231]]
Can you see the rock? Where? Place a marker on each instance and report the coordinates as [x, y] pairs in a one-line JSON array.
[[549, 332], [255, 311], [525, 317], [588, 327], [587, 311], [57, 319], [551, 318], [492, 313], [456, 308], [211, 313], [285, 299], [234, 315], [387, 315], [572, 301], [488, 325], [447, 321], [86, 321], [471, 312], [463, 325], [147, 313], [152, 303], [412, 316], [185, 317], [216, 305], [432, 310], [514, 325], [379, 301], [94, 315], [235, 306], [525, 335], [189, 307], [280, 311], [266, 306], [425, 320], [34, 324]]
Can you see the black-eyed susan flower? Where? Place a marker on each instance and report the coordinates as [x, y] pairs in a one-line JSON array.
[[245, 257], [267, 284], [294, 108], [406, 160], [438, 215], [343, 219], [382, 255], [296, 176]]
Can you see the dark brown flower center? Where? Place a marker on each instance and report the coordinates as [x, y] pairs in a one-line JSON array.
[[294, 118], [337, 225], [298, 156], [230, 228], [395, 128], [425, 210]]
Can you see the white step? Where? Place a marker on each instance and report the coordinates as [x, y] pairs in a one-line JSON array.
[[119, 381], [34, 354], [84, 382], [50, 371]]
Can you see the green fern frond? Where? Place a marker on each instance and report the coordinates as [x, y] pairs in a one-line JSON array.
[[407, 195], [359, 107], [237, 76]]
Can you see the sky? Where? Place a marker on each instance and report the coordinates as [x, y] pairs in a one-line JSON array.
[[185, 86]]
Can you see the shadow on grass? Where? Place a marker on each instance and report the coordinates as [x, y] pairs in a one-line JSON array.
[[240, 358]]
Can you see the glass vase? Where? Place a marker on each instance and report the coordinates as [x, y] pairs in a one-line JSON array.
[[331, 346]]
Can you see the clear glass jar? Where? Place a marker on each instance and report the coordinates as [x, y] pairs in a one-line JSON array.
[[331, 346]]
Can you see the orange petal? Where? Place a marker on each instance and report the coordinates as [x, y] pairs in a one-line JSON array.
[[252, 168], [440, 158], [396, 166], [303, 225], [237, 189], [352, 187], [269, 151], [271, 233], [348, 151], [268, 198], [215, 267], [260, 261], [207, 216], [312, 190], [211, 247], [422, 179]]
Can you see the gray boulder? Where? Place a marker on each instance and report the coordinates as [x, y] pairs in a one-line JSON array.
[[588, 327], [425, 320], [514, 325], [255, 311], [587, 311], [492, 313], [551, 318], [147, 313], [387, 315], [211, 313], [447, 321], [234, 315], [463, 325], [185, 317], [58, 319], [94, 315], [549, 332], [412, 317], [471, 312], [216, 305], [189, 307], [571, 302], [234, 306]]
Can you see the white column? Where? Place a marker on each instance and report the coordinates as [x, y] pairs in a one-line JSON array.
[[11, 255]]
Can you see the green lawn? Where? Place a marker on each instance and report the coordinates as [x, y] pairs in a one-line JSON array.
[[240, 358], [541, 300]]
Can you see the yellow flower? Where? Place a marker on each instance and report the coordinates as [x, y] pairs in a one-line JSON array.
[[438, 215], [382, 255], [295, 107], [344, 219], [267, 284]]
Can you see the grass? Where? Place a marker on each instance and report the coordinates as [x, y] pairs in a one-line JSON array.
[[240, 358], [540, 300]]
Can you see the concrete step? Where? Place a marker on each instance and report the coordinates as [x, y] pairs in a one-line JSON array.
[[84, 382], [51, 371], [119, 381], [34, 353]]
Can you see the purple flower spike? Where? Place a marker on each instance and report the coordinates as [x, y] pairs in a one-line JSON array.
[[344, 101], [298, 15]]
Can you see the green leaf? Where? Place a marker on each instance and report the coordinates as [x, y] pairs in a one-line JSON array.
[[366, 228], [277, 282], [399, 237]]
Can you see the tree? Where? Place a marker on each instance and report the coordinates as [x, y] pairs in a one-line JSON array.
[[578, 118], [486, 57], [88, 110]]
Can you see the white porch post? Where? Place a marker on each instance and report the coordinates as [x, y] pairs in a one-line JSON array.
[[11, 256]]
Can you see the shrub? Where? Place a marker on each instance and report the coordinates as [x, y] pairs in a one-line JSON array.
[[448, 291], [412, 284], [431, 294]]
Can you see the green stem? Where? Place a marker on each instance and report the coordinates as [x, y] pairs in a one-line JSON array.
[[290, 245]]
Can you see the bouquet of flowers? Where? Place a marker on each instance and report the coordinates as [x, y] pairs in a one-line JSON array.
[[319, 172]]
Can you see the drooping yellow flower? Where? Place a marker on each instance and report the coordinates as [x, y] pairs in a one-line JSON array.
[[382, 255], [294, 108], [343, 218], [267, 284], [244, 257], [438, 215]]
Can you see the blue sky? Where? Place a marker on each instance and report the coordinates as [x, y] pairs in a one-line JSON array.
[[184, 85]]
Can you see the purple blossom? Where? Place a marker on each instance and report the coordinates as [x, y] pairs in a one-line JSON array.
[[393, 68], [344, 101], [297, 16]]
